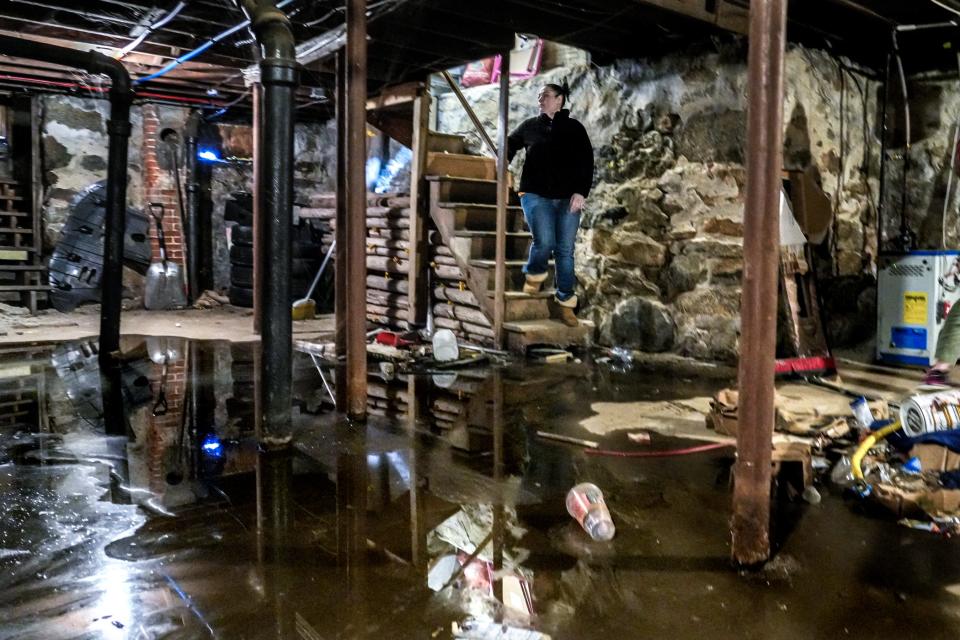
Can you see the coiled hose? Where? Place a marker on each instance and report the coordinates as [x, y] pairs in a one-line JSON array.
[[865, 446]]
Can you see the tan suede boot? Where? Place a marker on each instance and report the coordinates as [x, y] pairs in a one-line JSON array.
[[563, 311], [532, 283]]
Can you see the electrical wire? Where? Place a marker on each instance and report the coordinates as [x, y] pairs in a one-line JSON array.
[[150, 29], [206, 45], [946, 7]]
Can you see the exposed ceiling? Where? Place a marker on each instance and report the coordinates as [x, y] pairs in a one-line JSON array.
[[409, 38]]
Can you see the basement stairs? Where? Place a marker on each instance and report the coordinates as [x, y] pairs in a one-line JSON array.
[[462, 205]]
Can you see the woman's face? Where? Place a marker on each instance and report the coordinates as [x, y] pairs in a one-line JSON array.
[[550, 102]]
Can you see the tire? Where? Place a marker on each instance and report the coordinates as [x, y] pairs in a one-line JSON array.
[[241, 255], [241, 276], [232, 211], [241, 297], [242, 235], [302, 254]]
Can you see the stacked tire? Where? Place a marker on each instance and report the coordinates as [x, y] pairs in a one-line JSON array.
[[307, 248], [239, 209]]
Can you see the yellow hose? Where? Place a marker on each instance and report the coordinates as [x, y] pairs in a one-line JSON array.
[[865, 446]]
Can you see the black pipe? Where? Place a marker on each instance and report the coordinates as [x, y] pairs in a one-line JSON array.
[[278, 75], [191, 214], [883, 155], [118, 130]]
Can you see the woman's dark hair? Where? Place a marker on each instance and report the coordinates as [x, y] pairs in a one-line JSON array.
[[563, 91]]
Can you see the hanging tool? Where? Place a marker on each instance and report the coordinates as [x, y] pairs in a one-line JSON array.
[[164, 287], [172, 138], [305, 308]]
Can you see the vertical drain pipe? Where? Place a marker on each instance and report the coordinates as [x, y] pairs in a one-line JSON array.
[[278, 76], [340, 257], [751, 496], [118, 129], [192, 236], [356, 209]]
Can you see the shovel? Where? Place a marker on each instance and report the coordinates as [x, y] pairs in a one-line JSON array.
[[164, 288], [305, 308]]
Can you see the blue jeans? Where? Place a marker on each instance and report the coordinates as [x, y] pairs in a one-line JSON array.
[[554, 228]]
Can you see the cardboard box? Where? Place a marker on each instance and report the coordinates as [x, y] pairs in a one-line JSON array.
[[723, 412]]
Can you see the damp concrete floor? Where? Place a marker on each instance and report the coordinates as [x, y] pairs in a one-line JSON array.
[[175, 518]]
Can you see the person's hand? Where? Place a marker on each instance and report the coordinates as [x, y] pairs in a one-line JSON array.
[[576, 203]]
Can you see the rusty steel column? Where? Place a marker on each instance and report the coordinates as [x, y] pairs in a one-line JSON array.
[[340, 256], [356, 209], [761, 247], [503, 199]]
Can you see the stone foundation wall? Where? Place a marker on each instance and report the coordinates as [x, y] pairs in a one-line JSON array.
[[660, 251], [74, 155]]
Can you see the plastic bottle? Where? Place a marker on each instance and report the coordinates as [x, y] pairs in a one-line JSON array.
[[585, 504], [445, 347]]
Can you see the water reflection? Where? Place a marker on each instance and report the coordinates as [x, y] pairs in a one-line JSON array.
[[145, 502]]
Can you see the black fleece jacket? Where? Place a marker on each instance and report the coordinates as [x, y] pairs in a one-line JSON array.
[[559, 159]]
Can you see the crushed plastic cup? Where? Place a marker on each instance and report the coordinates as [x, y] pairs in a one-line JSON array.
[[586, 505], [842, 472], [811, 495], [861, 411]]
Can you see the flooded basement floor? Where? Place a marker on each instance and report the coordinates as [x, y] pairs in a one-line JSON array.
[[141, 506]]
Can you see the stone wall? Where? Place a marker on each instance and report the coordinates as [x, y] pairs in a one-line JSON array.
[[660, 251], [74, 155]]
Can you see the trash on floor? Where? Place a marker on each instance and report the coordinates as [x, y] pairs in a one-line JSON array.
[[580, 442], [586, 505], [472, 629]]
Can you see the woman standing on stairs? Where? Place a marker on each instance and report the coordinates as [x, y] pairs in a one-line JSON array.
[[556, 178]]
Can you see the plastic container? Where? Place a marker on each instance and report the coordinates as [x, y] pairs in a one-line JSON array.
[[445, 347], [585, 504]]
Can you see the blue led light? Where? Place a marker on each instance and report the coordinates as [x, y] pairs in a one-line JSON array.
[[212, 446], [209, 155]]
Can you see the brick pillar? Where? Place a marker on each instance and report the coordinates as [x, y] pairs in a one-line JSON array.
[[159, 186]]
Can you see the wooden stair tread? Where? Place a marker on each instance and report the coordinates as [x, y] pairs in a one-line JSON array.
[[520, 295], [14, 230], [468, 233], [14, 214], [22, 267], [488, 263], [435, 178], [25, 287], [476, 205]]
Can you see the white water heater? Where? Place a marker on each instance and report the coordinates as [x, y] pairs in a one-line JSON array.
[[915, 291]]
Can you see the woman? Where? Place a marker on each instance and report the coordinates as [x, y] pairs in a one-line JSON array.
[[556, 178]]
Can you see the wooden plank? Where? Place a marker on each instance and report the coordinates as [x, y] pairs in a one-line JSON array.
[[397, 285], [417, 275]]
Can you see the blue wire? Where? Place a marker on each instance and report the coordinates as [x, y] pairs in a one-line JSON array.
[[206, 45]]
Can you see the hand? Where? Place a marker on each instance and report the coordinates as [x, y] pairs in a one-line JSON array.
[[576, 203]]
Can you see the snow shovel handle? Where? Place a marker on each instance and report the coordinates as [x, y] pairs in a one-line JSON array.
[[156, 207], [323, 265]]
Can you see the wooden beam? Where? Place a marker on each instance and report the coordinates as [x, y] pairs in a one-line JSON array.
[[419, 292], [503, 195]]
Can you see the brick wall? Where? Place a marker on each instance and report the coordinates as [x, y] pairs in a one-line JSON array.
[[164, 430], [159, 186]]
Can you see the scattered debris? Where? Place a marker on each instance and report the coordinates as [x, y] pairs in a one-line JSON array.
[[580, 442], [210, 299], [472, 629], [641, 437], [549, 355]]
